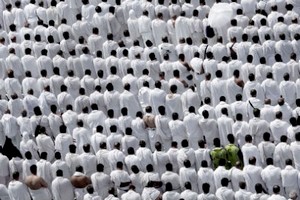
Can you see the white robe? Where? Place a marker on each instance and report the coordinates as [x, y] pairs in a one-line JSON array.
[[62, 189], [18, 190], [252, 176], [45, 144], [81, 136], [178, 131], [295, 148], [281, 153]]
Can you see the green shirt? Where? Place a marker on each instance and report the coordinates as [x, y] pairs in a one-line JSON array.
[[216, 155], [232, 153]]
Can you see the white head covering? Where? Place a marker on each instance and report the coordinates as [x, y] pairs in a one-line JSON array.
[[132, 14], [25, 137]]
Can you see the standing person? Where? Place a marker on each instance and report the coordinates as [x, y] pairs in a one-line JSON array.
[[62, 188], [38, 188], [17, 189], [4, 172], [79, 182], [217, 153], [295, 148]]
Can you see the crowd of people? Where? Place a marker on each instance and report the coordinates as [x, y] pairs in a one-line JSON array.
[[148, 100]]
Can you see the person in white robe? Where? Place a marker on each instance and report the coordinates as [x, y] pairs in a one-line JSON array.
[[236, 176], [250, 151], [47, 99], [239, 129], [101, 181], [82, 101], [225, 126], [4, 173], [252, 174], [169, 193], [150, 192], [30, 83], [271, 89], [98, 20], [29, 63], [159, 29], [81, 136], [221, 105], [111, 99], [17, 189], [284, 108], [91, 194], [178, 129], [174, 103], [207, 193], [194, 132], [289, 176], [218, 87], [38, 188], [224, 192], [188, 194], [271, 175], [266, 148], [63, 141], [209, 128], [160, 158], [250, 85], [234, 87], [145, 155], [282, 152], [145, 30], [64, 98], [15, 105], [120, 178], [56, 81], [12, 85], [284, 48], [11, 128], [278, 127], [171, 177], [72, 159], [88, 83], [128, 100], [242, 193], [295, 147], [276, 194], [61, 187], [258, 127], [190, 98], [182, 27], [45, 144], [188, 174], [292, 129], [206, 174], [129, 140], [44, 168], [288, 90], [73, 84], [279, 68], [70, 119], [88, 160]]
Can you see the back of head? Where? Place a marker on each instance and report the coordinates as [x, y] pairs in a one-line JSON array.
[[205, 188], [217, 142], [248, 138], [33, 169], [224, 182], [242, 185], [276, 189]]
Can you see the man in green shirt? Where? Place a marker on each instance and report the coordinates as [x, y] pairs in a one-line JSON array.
[[217, 153], [233, 153]]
